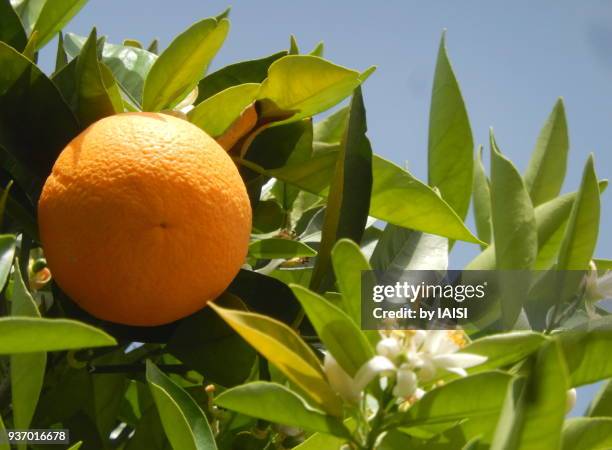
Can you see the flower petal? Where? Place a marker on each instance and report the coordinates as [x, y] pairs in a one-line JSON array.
[[375, 366], [405, 384], [460, 360], [389, 347], [339, 380]]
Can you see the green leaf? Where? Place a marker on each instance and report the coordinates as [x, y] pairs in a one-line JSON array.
[[300, 86], [278, 404], [513, 218], [153, 47], [251, 71], [217, 113], [27, 369], [35, 122], [204, 342], [53, 16], [285, 349], [401, 249], [7, 253], [279, 248], [335, 329], [318, 50], [349, 264], [25, 335], [391, 186], [183, 420], [546, 170], [11, 29], [76, 446], [29, 11], [474, 397], [583, 226], [3, 436], [451, 145], [482, 200], [504, 349], [349, 198], [514, 232], [550, 218], [424, 211], [96, 98], [603, 264], [265, 295], [61, 57], [601, 405], [583, 348], [293, 46], [179, 68], [534, 408], [129, 65], [587, 434], [132, 43]]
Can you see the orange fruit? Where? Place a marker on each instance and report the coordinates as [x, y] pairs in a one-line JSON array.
[[144, 219]]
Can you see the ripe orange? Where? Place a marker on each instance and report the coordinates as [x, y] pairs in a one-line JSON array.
[[144, 219]]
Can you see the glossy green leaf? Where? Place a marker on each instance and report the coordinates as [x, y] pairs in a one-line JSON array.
[[512, 214], [475, 396], [204, 342], [265, 295], [550, 218], [584, 348], [25, 335], [514, 232], [129, 65], [318, 50], [349, 197], [96, 96], [179, 68], [61, 57], [217, 113], [53, 16], [504, 349], [603, 264], [280, 345], [153, 47], [27, 369], [587, 434], [391, 186], [601, 405], [276, 403], [349, 264], [183, 420], [546, 171], [331, 129], [583, 226], [35, 122], [318, 441], [76, 446], [29, 11], [425, 211], [11, 29], [335, 329], [7, 253], [450, 159], [300, 86], [279, 248], [401, 249], [482, 200], [251, 71], [534, 408]]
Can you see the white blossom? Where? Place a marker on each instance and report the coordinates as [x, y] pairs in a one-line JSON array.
[[408, 358]]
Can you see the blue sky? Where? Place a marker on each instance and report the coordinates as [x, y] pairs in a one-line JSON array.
[[512, 60]]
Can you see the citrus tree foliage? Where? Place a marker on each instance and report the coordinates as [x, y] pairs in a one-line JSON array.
[[280, 360]]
